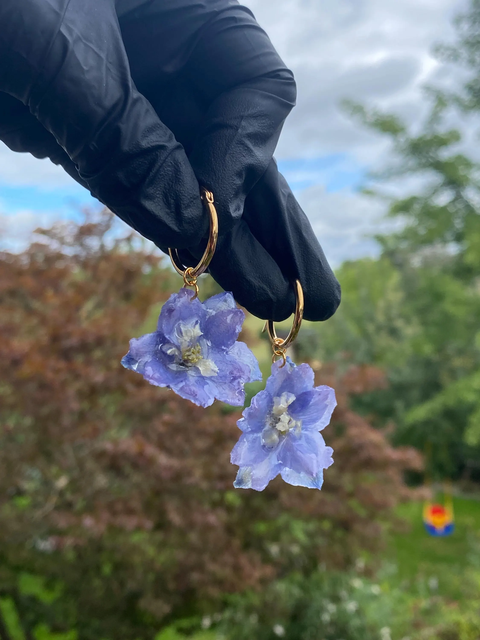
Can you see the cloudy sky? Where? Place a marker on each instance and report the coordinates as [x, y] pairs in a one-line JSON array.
[[376, 52]]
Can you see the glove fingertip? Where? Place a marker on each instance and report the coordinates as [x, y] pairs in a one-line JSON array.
[[324, 303]]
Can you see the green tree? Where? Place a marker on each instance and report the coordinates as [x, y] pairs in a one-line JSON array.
[[415, 310]]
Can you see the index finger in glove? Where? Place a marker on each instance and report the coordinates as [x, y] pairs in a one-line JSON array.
[[281, 227], [270, 247], [241, 265], [250, 92]]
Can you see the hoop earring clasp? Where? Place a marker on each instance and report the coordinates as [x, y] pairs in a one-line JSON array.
[[190, 274], [280, 345]]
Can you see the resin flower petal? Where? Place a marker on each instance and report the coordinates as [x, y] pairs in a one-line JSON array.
[[194, 350], [281, 431]]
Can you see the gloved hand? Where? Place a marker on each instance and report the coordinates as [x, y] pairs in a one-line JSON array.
[[112, 92]]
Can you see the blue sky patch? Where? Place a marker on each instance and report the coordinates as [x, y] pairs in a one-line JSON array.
[[336, 172], [64, 200]]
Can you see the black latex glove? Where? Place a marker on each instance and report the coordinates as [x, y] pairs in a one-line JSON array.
[[102, 98]]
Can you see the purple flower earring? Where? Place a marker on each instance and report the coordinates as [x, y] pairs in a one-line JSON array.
[[194, 350], [281, 427]]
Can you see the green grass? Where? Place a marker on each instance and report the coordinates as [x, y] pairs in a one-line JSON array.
[[420, 557]]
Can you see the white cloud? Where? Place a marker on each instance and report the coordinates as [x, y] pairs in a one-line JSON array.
[[344, 222], [16, 230], [22, 169], [373, 51]]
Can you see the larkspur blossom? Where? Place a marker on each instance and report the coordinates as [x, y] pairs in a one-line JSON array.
[[195, 350], [281, 431]]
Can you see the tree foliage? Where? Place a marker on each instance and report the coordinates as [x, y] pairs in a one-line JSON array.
[[415, 310], [117, 494]]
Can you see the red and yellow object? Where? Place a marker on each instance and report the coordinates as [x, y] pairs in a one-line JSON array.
[[439, 519]]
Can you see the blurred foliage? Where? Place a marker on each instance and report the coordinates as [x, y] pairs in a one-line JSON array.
[[425, 589], [353, 607], [326, 605], [414, 311], [116, 500]]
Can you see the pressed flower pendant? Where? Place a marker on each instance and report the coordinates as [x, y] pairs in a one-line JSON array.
[[281, 427], [194, 350]]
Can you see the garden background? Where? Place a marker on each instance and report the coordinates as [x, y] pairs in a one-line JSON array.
[[118, 516]]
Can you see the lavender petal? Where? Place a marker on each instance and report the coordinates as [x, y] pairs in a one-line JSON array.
[[314, 408], [220, 302], [255, 416], [180, 307], [302, 479], [290, 378], [256, 477], [222, 328], [141, 351]]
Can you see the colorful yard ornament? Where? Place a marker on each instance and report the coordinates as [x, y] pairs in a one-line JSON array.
[[439, 519]]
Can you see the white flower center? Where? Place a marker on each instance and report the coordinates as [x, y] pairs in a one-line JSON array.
[[188, 332], [190, 355], [280, 422]]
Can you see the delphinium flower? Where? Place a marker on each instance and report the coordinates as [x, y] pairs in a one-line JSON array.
[[195, 350], [281, 431]]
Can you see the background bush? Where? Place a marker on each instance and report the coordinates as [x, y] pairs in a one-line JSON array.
[[119, 494]]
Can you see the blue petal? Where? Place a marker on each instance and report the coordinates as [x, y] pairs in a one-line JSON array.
[[220, 302], [234, 370], [314, 408], [256, 478], [312, 441], [180, 307], [327, 457], [304, 460], [159, 374], [243, 354], [196, 389], [141, 351], [222, 328], [228, 392], [290, 378], [302, 479], [255, 416], [301, 459], [257, 465], [231, 378], [129, 362], [249, 451]]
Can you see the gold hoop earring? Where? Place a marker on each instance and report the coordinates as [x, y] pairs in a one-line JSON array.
[[281, 345], [190, 274]]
